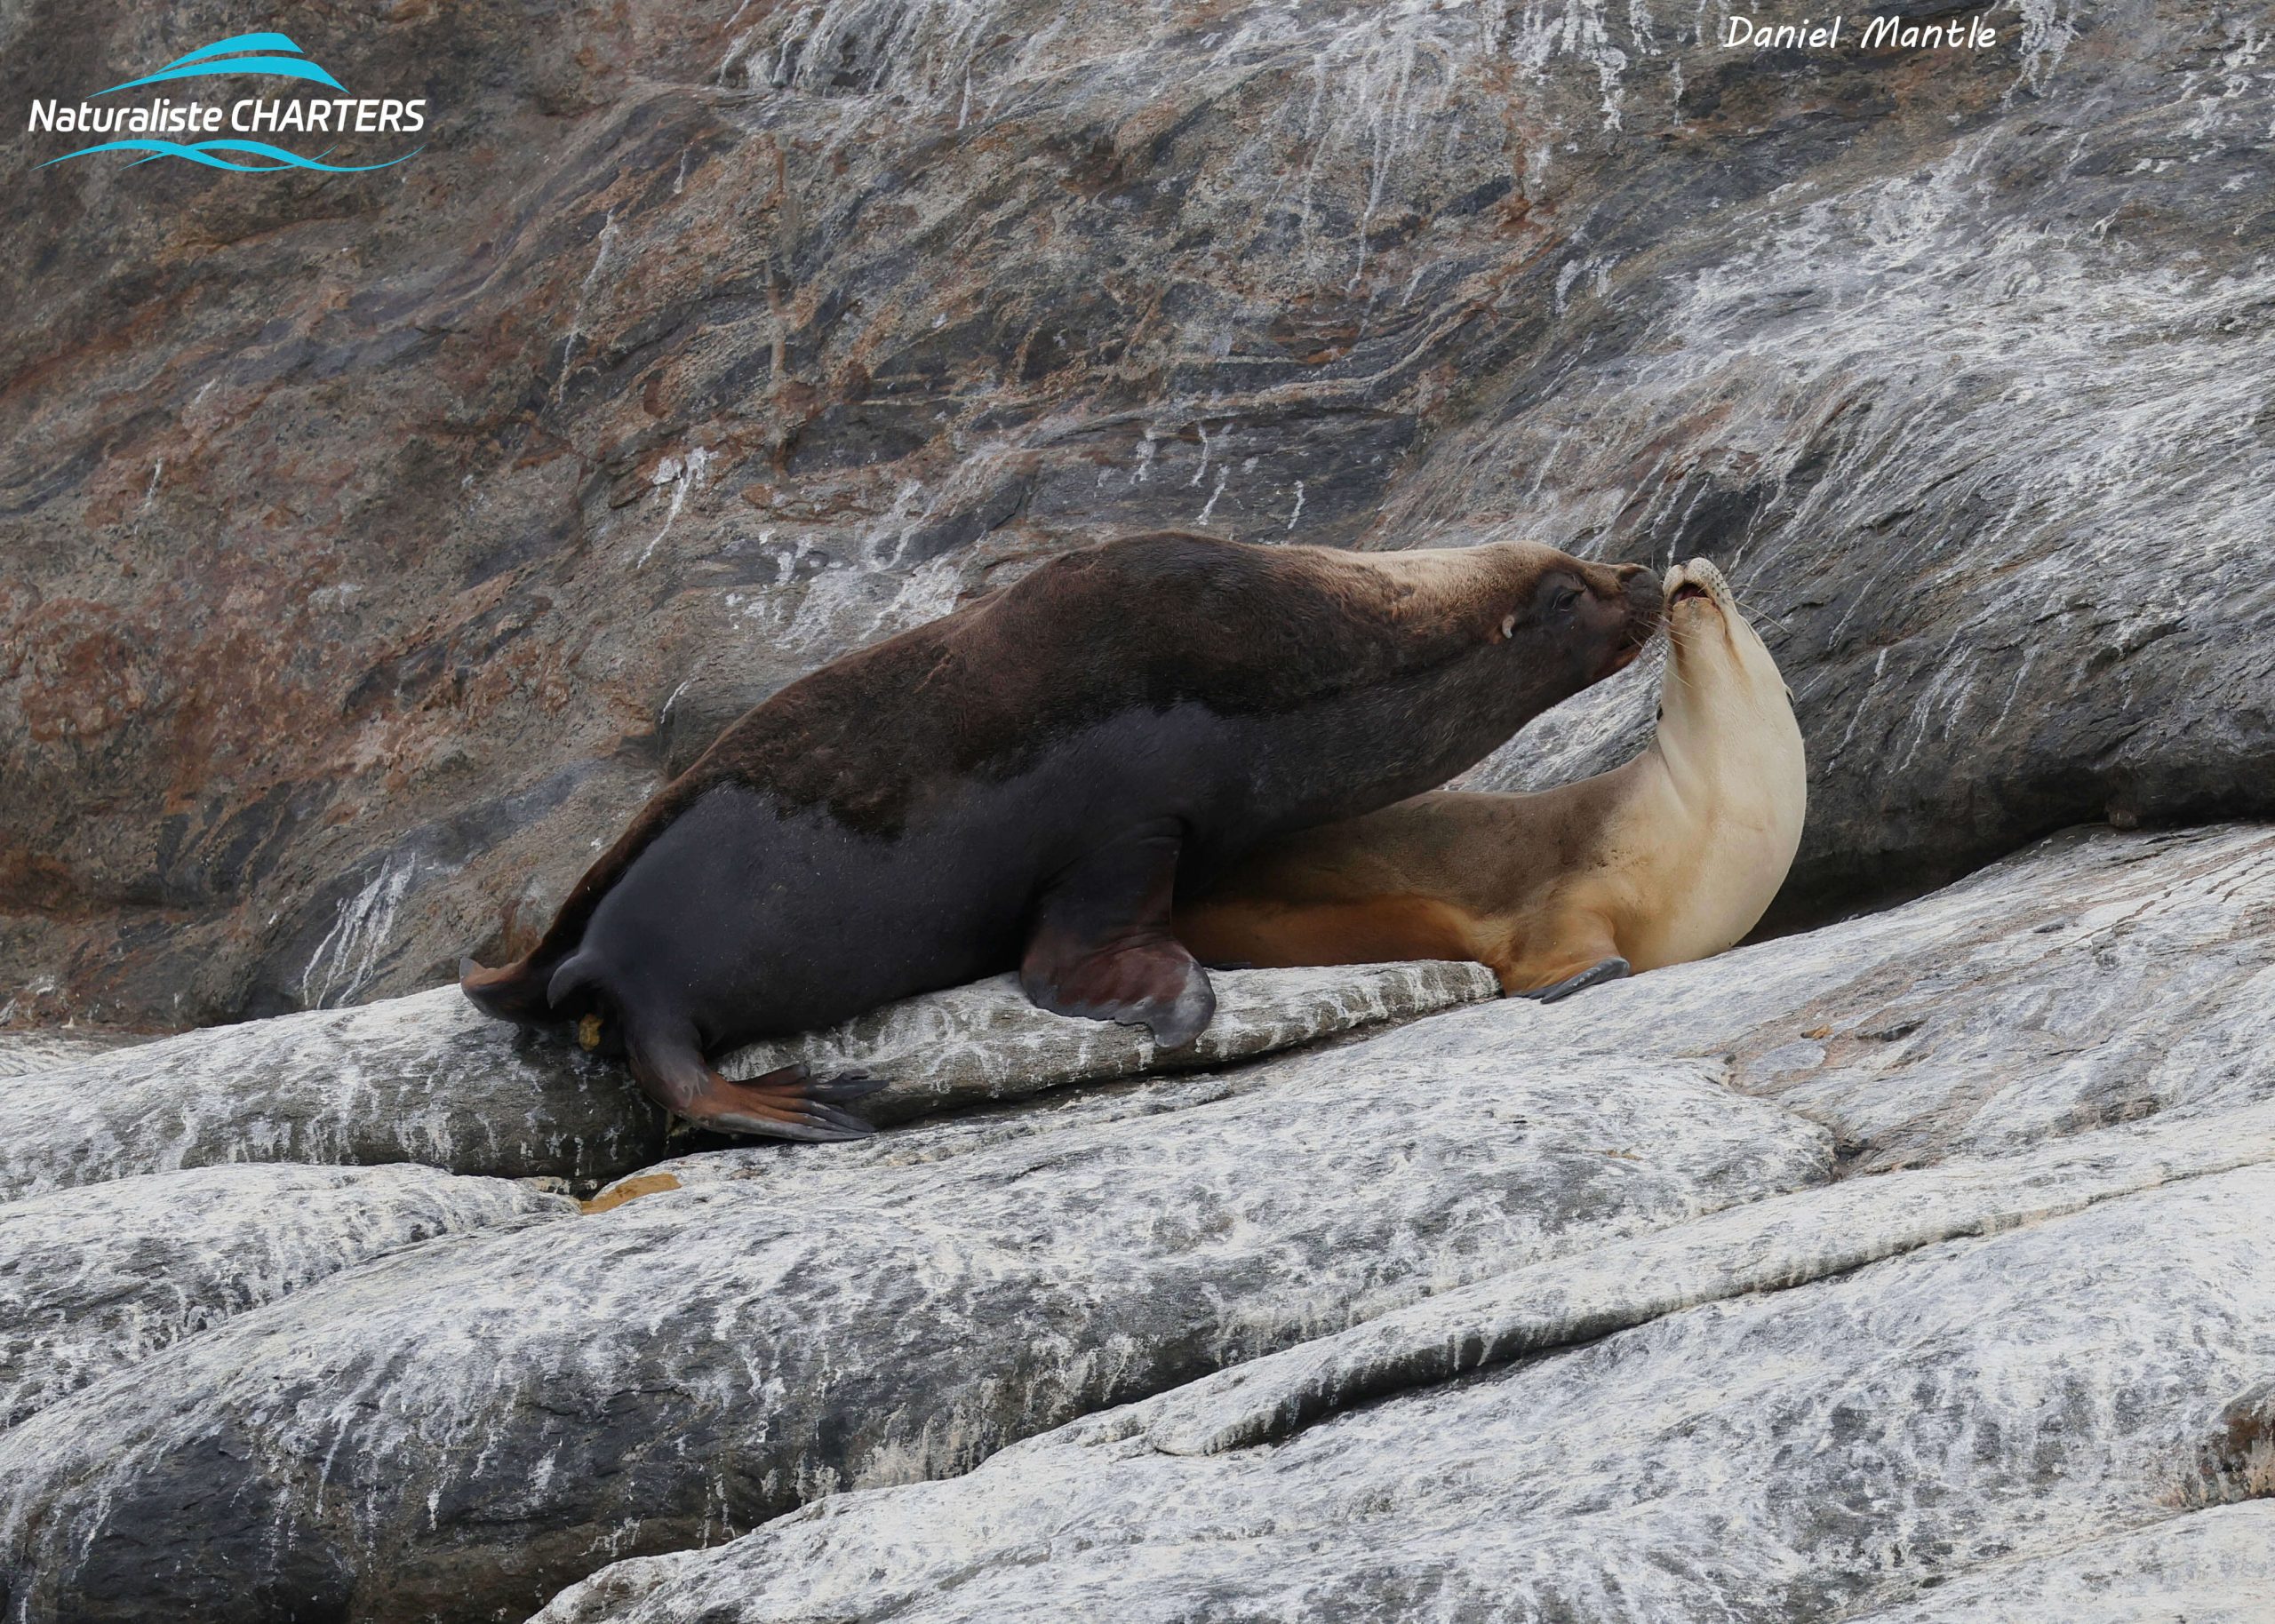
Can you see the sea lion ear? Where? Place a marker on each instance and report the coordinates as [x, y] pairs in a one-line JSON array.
[[1508, 627]]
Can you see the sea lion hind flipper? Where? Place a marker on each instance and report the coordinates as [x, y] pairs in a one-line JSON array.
[[1594, 976], [785, 1103], [514, 991], [790, 1103], [1100, 947]]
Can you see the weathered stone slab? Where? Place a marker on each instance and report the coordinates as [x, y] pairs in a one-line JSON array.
[[44, 1049], [2096, 978], [527, 1406], [1782, 1455], [787, 1322], [985, 1042], [2215, 1566], [95, 1280], [429, 1078], [425, 1078], [1769, 1245]]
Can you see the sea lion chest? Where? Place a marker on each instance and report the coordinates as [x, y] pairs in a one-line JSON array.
[[1713, 838]]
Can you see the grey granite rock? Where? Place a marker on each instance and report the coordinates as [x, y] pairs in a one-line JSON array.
[[768, 1325], [986, 1042], [1765, 1246], [96, 1279], [428, 1078], [1977, 426], [526, 1406], [2207, 1567], [425, 1078], [1778, 1457], [44, 1049], [2043, 985], [2096, 978]]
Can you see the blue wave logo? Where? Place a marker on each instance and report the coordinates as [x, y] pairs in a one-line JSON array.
[[243, 54], [204, 151], [265, 55]]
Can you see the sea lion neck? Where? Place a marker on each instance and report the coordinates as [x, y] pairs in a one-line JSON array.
[[1721, 685]]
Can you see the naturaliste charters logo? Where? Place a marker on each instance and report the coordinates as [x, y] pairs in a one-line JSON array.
[[143, 127]]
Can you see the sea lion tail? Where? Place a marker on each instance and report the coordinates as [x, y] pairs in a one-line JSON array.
[[515, 992], [572, 975]]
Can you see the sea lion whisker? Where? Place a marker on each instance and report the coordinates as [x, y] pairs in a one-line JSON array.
[[1753, 612]]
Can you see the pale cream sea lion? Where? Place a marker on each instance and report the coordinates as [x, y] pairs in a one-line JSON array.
[[1673, 856]]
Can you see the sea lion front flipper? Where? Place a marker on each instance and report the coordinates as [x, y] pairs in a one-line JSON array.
[[1101, 947], [1595, 974], [785, 1103]]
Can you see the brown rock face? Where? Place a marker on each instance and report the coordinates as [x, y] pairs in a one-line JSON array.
[[375, 543]]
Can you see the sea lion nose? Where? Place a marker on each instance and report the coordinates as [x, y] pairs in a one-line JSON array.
[[1646, 598]]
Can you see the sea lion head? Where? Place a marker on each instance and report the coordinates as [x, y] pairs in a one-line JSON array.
[[1591, 619], [1719, 670]]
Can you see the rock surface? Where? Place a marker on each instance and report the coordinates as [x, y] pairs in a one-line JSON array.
[[1789, 1456], [96, 1279], [429, 1078], [671, 1372], [1392, 1219], [2210, 1567], [2095, 979], [1999, 1380], [45, 1050], [1765, 1246], [986, 1042], [425, 1078], [377, 543]]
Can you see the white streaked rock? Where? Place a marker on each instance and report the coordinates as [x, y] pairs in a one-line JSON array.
[[1768, 1245], [429, 1078], [1797, 1454], [768, 1327], [2095, 978], [95, 1280], [2214, 1566], [489, 1417], [985, 1042], [425, 1078], [46, 1050]]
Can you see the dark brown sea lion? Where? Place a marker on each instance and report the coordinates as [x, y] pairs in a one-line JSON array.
[[1024, 782]]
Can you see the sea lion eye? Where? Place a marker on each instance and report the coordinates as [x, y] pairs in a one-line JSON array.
[[1560, 601]]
